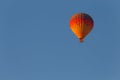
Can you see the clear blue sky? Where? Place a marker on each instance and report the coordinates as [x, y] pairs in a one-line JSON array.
[[36, 42]]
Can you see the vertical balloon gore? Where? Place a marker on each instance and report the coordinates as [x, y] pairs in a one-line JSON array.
[[81, 25]]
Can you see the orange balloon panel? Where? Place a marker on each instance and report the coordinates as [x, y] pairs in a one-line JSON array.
[[81, 24]]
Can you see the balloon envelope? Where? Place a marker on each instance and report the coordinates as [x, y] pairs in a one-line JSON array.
[[81, 24]]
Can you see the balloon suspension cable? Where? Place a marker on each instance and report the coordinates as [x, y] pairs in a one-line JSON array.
[[81, 40]]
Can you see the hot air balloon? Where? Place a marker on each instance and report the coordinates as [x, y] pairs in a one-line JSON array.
[[81, 24]]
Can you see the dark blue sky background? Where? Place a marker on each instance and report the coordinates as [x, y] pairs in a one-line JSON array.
[[36, 42]]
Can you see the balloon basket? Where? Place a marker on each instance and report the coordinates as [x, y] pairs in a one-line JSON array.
[[81, 40]]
